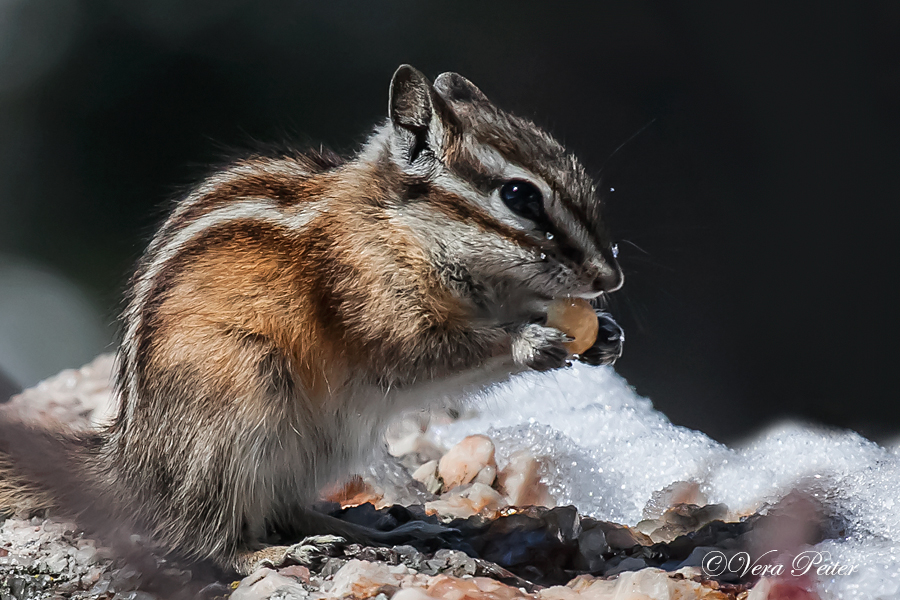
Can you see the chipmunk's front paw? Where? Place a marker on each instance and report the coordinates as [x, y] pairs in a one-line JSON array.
[[540, 348], [608, 347]]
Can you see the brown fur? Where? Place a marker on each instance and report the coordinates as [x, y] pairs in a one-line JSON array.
[[291, 306]]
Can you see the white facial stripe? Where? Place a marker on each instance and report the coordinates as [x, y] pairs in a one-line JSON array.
[[258, 210], [453, 184]]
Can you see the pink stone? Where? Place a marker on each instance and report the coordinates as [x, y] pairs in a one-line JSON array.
[[297, 572], [466, 501], [520, 481], [478, 588], [465, 460]]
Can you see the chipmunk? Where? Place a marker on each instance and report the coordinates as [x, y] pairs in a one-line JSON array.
[[290, 307]]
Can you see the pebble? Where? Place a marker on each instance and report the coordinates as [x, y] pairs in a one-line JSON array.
[[427, 475], [476, 588], [465, 460], [297, 572], [467, 501], [265, 583], [680, 492], [135, 596], [412, 594], [450, 562], [363, 579], [487, 475], [681, 519], [520, 481]]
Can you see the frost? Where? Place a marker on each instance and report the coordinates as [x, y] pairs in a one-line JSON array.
[[606, 450]]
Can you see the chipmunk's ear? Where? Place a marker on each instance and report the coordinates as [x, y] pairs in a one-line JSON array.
[[456, 88], [410, 105], [421, 117]]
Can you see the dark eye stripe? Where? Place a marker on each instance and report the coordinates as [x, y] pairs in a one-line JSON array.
[[579, 213], [565, 247], [470, 169]]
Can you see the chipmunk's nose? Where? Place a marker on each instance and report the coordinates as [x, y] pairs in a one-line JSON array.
[[609, 277]]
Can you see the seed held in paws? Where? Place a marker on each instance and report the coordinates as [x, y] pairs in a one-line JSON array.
[[576, 318]]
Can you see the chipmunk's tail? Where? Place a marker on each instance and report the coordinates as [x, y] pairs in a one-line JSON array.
[[63, 472], [42, 468]]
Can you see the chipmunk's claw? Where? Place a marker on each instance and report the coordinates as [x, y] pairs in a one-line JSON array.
[[610, 341]]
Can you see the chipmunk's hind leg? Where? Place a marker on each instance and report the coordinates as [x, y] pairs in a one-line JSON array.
[[311, 552], [333, 535], [321, 537]]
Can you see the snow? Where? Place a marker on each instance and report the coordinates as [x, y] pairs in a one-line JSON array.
[[607, 450]]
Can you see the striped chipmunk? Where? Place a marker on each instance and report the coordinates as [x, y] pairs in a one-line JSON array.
[[290, 307]]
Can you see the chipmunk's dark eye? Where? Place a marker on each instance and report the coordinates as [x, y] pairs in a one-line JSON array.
[[524, 199]]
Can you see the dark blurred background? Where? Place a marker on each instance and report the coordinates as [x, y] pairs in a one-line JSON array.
[[754, 212]]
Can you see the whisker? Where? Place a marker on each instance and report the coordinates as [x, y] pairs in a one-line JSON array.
[[630, 243], [620, 146]]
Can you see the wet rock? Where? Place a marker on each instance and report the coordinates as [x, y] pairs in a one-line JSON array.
[[466, 501], [620, 537], [465, 461], [477, 588], [298, 572], [487, 475], [681, 519], [427, 475], [621, 564], [520, 481], [680, 492], [410, 557], [362, 579], [450, 562], [383, 519], [536, 544], [136, 595], [592, 547], [412, 594], [392, 480], [332, 566], [353, 492], [265, 583]]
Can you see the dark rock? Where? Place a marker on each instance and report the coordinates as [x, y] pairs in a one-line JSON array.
[[620, 564], [332, 566], [17, 587], [410, 557], [592, 547], [548, 546]]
